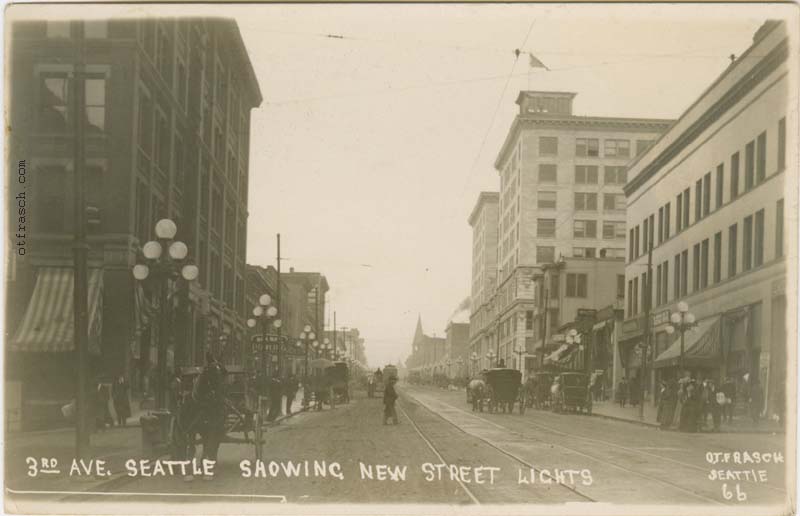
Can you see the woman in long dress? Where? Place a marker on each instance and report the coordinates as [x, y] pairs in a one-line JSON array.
[[122, 404]]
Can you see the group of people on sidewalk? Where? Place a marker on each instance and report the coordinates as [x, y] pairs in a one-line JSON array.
[[687, 403]]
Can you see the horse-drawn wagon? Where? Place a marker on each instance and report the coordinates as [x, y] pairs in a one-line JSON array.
[[537, 390], [338, 376], [211, 407], [504, 389], [570, 392]]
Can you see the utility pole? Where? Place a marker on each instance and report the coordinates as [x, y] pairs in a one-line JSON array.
[[544, 325], [280, 309], [647, 309], [80, 252], [334, 331]]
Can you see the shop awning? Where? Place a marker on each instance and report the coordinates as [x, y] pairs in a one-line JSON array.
[[560, 356], [48, 324], [701, 347]]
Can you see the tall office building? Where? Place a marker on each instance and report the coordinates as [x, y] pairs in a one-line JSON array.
[[561, 179], [167, 135]]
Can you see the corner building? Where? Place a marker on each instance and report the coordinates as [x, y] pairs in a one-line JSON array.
[[561, 179], [167, 134], [710, 198]]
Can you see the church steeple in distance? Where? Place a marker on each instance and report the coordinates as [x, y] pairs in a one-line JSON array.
[[419, 337]]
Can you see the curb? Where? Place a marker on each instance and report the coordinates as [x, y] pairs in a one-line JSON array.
[[627, 420], [764, 431]]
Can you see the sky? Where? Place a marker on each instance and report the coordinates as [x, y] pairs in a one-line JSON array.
[[380, 125], [371, 147]]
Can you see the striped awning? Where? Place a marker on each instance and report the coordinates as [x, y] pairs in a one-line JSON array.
[[701, 347], [49, 324]]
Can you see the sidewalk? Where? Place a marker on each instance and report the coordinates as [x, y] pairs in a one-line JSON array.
[[113, 445], [740, 424]]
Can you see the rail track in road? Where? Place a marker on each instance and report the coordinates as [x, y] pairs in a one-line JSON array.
[[440, 408], [511, 455]]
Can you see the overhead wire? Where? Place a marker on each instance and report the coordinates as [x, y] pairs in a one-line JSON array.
[[496, 110]]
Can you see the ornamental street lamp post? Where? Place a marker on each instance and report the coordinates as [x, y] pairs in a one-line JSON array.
[[519, 350], [306, 337], [474, 358], [265, 312], [681, 321], [162, 267], [491, 355]]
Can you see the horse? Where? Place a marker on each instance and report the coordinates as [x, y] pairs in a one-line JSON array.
[[477, 390], [201, 411]]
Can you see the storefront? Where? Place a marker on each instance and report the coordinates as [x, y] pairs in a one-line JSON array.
[[41, 358]]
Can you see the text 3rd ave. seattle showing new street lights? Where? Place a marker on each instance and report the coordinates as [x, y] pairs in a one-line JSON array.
[[528, 257]]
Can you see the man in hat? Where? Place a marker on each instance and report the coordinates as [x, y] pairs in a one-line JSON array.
[[389, 398]]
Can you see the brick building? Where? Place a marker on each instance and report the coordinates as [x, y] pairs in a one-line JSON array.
[[167, 134]]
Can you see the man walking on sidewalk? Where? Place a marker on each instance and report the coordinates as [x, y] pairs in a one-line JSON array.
[[389, 398]]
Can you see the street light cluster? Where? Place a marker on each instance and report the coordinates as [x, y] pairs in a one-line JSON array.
[[176, 251], [265, 312], [681, 321], [160, 268]]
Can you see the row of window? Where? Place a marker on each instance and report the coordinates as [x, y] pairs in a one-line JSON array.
[[547, 253], [583, 201], [590, 147], [612, 230], [707, 261], [754, 173], [585, 174]]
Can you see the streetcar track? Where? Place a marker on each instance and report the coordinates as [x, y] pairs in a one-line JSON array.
[[436, 452], [505, 452], [607, 443], [571, 450]]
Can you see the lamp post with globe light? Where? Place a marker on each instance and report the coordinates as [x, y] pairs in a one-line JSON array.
[[491, 355], [161, 268], [307, 336], [681, 321], [264, 312]]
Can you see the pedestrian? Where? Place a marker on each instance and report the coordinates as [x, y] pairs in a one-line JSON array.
[[691, 408], [622, 392], [291, 387], [729, 389], [122, 404], [208, 392], [389, 399], [716, 401], [756, 400], [102, 413], [705, 395], [635, 390], [667, 403], [275, 398]]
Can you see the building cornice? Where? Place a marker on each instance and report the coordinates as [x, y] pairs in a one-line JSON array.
[[578, 122], [735, 93], [483, 198]]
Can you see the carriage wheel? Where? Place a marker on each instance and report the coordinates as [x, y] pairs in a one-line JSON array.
[[258, 438]]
